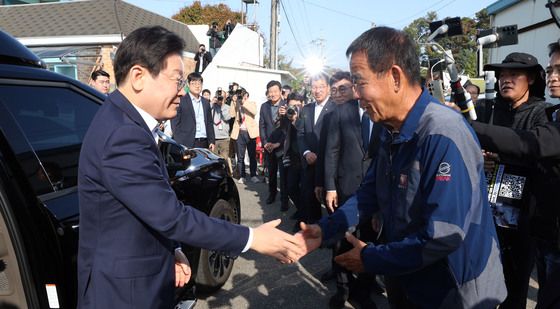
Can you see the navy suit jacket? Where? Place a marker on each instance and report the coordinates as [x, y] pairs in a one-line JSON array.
[[184, 124], [346, 160], [130, 218], [309, 134], [266, 122]]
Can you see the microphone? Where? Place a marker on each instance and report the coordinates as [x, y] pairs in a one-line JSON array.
[[459, 98], [441, 30], [488, 39]]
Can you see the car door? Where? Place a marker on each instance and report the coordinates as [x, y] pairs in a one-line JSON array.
[[43, 124]]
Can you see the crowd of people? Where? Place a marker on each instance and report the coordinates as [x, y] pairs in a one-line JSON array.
[[394, 181]]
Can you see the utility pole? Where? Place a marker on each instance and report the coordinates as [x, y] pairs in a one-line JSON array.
[[273, 34]]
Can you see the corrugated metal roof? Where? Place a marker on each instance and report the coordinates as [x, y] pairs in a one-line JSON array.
[[500, 5], [83, 18]]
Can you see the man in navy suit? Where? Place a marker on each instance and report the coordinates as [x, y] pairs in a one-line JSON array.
[[346, 162], [270, 113], [193, 125], [309, 143], [130, 218]]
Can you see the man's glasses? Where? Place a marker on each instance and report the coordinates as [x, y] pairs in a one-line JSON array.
[[181, 81], [340, 89]]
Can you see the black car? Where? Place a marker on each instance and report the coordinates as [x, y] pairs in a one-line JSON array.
[[43, 119]]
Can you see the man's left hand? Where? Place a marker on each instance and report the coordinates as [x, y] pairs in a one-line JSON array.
[[211, 147], [352, 260], [182, 268]]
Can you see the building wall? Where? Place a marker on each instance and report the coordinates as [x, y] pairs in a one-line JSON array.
[[534, 42]]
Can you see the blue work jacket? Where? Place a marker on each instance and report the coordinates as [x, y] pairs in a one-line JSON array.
[[427, 184]]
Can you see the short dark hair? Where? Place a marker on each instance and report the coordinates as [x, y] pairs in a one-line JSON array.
[[273, 83], [553, 48], [195, 76], [147, 47], [320, 76], [340, 75], [201, 45], [385, 47], [473, 85], [206, 90], [287, 87], [95, 74], [295, 96]]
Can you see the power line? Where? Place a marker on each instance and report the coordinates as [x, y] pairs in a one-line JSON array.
[[291, 29], [339, 12], [416, 14]]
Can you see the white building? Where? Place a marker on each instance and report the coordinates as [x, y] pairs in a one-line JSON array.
[[536, 28]]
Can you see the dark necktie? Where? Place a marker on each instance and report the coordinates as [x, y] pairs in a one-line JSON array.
[[365, 131]]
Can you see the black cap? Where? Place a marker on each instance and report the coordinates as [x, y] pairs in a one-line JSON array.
[[515, 61]]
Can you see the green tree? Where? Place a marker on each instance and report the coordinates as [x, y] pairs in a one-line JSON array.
[[197, 14], [463, 46]]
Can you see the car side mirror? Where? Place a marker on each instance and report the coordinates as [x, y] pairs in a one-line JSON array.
[[175, 156]]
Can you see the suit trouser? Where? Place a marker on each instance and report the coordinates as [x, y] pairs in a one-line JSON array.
[[201, 143], [274, 165], [311, 207], [245, 142], [290, 180], [344, 278]]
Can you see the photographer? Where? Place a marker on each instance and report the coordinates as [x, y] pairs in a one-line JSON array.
[[245, 132], [220, 118], [282, 144], [215, 38], [202, 58], [228, 29]]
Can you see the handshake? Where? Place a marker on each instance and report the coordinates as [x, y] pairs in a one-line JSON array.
[[286, 248]]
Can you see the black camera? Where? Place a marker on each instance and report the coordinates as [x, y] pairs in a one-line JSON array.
[[240, 93], [219, 95], [291, 110]]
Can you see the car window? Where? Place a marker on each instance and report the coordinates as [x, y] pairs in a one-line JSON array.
[[54, 121]]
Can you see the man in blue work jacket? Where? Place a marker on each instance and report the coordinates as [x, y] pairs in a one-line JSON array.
[[426, 186]]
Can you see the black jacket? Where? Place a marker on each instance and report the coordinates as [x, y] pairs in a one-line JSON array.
[[540, 146], [525, 117], [184, 124]]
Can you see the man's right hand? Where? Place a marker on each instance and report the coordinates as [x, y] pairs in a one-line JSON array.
[[331, 200], [282, 110], [269, 240], [310, 157], [310, 235]]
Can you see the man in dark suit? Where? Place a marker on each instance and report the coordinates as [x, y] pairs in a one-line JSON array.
[[309, 142], [202, 58], [193, 126], [346, 162], [130, 218], [270, 113]]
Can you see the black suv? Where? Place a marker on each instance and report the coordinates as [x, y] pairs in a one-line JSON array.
[[43, 118]]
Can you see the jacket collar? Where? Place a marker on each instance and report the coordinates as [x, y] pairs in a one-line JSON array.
[[120, 101], [413, 118]]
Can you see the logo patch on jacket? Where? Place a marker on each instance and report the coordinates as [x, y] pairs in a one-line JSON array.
[[444, 172]]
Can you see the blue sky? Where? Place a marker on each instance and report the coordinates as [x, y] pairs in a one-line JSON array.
[[335, 23]]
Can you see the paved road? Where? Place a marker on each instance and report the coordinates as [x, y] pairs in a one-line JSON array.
[[261, 282]]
